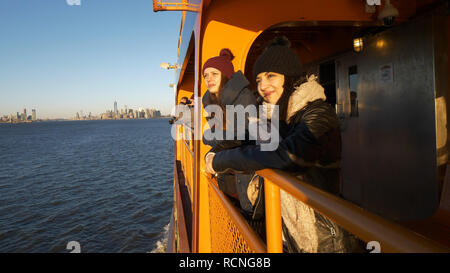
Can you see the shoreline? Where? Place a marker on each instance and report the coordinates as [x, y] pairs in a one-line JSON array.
[[53, 120]]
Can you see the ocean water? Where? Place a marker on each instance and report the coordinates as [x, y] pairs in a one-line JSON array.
[[104, 184]]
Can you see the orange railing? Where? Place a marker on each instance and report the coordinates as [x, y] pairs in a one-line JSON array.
[[273, 218], [365, 225]]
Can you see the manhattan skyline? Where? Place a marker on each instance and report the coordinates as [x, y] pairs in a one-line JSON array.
[[60, 59], [80, 111]]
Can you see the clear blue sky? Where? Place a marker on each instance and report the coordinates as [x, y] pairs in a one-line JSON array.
[[60, 59]]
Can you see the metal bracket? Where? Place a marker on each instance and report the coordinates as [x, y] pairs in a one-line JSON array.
[[184, 5]]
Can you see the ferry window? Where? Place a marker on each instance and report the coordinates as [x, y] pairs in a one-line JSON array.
[[353, 86], [327, 76]]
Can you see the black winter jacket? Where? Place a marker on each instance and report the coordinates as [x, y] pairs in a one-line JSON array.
[[310, 147]]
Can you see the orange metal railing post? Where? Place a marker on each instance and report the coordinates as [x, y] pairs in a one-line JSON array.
[[273, 218]]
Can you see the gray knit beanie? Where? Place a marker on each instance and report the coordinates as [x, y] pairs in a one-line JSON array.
[[278, 57]]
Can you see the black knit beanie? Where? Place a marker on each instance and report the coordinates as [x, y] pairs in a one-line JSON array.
[[278, 57]]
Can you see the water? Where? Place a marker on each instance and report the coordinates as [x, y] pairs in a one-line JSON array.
[[104, 184]]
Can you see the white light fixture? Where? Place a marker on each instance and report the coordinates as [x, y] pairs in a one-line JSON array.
[[167, 66], [358, 44], [388, 14]]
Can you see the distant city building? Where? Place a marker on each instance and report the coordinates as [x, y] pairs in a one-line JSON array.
[[33, 114], [124, 113], [24, 117]]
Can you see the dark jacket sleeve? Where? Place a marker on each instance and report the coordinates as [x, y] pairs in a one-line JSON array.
[[303, 146], [228, 144]]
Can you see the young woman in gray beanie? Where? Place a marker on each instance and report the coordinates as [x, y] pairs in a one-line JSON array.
[[309, 147]]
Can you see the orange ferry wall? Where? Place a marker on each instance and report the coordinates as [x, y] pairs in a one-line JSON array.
[[236, 24], [335, 42], [201, 240]]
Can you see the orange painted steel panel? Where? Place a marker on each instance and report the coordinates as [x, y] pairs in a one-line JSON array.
[[202, 236], [230, 24], [273, 217], [183, 242]]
